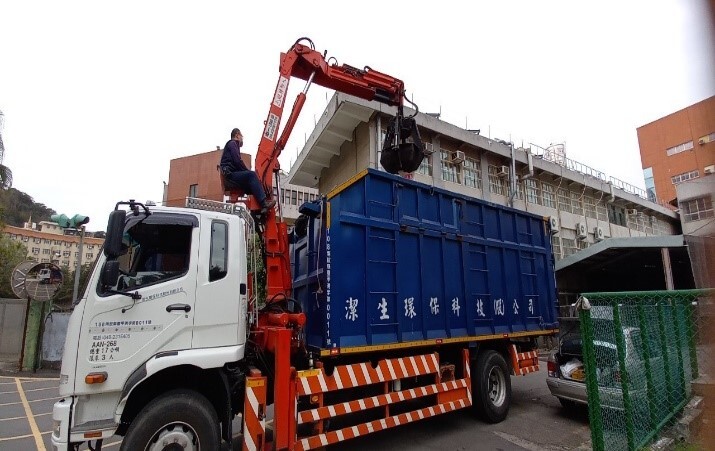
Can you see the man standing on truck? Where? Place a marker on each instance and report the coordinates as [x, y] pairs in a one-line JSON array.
[[237, 174]]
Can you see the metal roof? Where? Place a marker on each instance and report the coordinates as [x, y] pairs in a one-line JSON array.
[[610, 248]]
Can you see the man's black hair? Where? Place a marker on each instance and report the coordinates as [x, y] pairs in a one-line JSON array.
[[234, 131]]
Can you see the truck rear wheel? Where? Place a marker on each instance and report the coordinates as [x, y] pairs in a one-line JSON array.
[[177, 420], [491, 387]]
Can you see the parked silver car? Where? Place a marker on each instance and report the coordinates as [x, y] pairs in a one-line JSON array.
[[570, 389]]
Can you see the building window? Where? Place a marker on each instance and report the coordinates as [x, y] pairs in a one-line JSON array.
[[450, 171], [65, 262], [36, 250], [697, 209], [294, 197], [66, 253], [582, 244], [556, 246], [533, 194], [26, 238], [564, 199], [426, 166], [649, 184], [300, 197], [37, 240], [589, 206], [76, 255], [616, 215], [685, 176], [679, 148], [47, 241], [193, 190], [45, 260], [576, 206], [46, 251], [549, 199], [568, 246], [472, 173], [497, 184]]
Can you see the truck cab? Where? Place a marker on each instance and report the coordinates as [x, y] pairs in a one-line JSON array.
[[138, 323]]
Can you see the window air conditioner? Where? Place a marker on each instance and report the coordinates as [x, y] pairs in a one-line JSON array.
[[503, 171], [632, 211], [429, 148], [457, 157], [709, 169], [554, 223], [702, 141], [598, 234], [581, 232]]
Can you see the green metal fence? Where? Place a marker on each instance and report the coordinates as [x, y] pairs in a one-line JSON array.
[[641, 352]]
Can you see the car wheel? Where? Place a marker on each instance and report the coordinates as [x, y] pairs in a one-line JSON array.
[[491, 387], [179, 419]]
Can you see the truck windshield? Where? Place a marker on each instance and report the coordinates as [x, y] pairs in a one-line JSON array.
[[153, 252]]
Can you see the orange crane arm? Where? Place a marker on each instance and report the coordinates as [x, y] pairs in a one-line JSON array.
[[402, 150]]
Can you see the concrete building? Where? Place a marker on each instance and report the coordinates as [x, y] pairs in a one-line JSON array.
[[585, 205], [695, 202], [677, 148], [47, 242], [197, 176]]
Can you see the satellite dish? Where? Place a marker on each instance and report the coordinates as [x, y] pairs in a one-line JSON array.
[[37, 281]]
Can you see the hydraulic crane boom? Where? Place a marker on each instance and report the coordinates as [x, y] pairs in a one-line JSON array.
[[402, 150]]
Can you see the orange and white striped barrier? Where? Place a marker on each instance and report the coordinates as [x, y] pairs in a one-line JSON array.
[[523, 362], [450, 395], [359, 374], [254, 413]]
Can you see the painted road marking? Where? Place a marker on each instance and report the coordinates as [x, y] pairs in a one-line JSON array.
[[30, 389], [31, 419], [34, 400], [17, 418]]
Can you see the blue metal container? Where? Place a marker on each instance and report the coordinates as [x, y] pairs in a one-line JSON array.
[[392, 262]]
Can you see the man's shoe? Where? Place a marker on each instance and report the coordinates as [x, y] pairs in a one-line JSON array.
[[267, 206]]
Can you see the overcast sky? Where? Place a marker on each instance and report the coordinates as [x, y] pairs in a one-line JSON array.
[[99, 96]]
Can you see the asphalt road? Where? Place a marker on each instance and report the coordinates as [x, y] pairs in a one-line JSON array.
[[536, 422]]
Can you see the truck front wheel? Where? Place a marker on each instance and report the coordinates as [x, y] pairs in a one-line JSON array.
[[491, 387], [177, 420]]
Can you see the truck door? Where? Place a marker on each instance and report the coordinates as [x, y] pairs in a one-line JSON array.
[[159, 265]]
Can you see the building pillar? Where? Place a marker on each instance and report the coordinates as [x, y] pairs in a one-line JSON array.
[[667, 269], [484, 168], [437, 163]]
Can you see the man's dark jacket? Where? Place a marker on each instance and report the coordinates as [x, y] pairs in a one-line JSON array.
[[231, 158]]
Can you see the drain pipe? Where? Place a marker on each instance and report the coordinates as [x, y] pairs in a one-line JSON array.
[[512, 176]]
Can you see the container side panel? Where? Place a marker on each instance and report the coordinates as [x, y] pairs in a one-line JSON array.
[[429, 209], [478, 289], [380, 198], [346, 308], [433, 303], [473, 220], [412, 282], [455, 302], [507, 225], [382, 285], [448, 212], [408, 206]]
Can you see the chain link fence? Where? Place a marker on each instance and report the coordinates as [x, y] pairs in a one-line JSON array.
[[644, 353]]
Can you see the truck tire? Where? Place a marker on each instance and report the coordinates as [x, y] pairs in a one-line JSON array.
[[182, 418], [491, 387]]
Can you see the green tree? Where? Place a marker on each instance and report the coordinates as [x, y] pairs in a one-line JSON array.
[[12, 253]]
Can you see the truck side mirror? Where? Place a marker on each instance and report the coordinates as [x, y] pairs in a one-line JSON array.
[[115, 232], [110, 273]]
